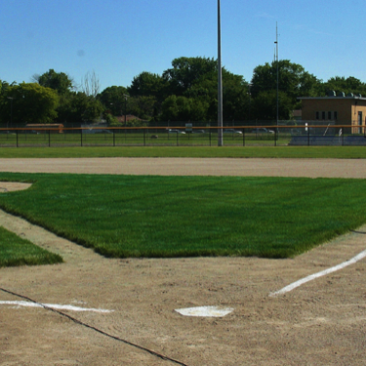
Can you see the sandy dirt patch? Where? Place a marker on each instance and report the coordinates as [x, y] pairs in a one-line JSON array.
[[13, 186], [320, 323]]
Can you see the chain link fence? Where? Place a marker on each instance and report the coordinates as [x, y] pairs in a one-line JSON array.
[[236, 133]]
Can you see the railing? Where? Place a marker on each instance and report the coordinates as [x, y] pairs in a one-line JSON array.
[[181, 136]]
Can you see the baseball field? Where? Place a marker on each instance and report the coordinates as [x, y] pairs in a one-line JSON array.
[[91, 309]]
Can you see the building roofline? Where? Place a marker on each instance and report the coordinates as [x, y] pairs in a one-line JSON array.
[[324, 98]]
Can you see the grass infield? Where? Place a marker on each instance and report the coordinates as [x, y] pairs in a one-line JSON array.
[[15, 251], [154, 216]]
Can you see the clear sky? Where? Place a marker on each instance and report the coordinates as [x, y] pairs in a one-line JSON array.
[[119, 39]]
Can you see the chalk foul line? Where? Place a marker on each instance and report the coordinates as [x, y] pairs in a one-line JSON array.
[[319, 274], [53, 306], [76, 321]]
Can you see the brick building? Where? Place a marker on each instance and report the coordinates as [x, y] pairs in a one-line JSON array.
[[343, 110]]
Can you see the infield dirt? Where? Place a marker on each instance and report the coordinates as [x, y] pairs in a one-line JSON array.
[[320, 323]]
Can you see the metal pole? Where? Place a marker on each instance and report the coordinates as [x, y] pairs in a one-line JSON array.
[[275, 137], [125, 110], [277, 75], [220, 141], [125, 115]]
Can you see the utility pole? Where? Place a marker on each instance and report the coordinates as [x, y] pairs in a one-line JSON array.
[[220, 124], [277, 74], [125, 95]]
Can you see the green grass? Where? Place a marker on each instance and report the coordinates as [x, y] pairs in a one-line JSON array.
[[335, 152], [15, 251], [153, 216]]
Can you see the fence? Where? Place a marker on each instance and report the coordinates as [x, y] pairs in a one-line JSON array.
[[278, 135]]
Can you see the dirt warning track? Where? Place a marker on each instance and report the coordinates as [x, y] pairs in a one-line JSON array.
[[329, 168]]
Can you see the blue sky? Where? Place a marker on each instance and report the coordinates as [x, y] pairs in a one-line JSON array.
[[118, 39]]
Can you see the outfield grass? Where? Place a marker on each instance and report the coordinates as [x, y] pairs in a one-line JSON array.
[[15, 251], [335, 152], [153, 216]]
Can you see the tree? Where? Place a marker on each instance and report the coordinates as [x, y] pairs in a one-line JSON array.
[[79, 108], [346, 85], [147, 93], [188, 72], [264, 106], [148, 84], [3, 86], [236, 98], [90, 85], [193, 81], [196, 78], [3, 102], [293, 80], [113, 99], [183, 109], [170, 109], [112, 121], [58, 81], [143, 107], [29, 103], [62, 84]]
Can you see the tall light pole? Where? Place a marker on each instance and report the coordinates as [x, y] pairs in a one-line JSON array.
[[277, 74], [220, 124], [125, 95]]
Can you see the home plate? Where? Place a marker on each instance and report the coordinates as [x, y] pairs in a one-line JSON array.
[[205, 311]]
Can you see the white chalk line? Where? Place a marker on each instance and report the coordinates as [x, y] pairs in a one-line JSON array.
[[54, 306], [319, 274]]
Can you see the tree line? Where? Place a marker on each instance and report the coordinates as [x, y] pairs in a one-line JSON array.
[[185, 92]]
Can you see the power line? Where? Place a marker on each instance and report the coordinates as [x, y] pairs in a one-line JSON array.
[[159, 355]]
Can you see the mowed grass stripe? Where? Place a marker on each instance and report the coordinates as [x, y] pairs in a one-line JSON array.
[[15, 251], [153, 216], [298, 152]]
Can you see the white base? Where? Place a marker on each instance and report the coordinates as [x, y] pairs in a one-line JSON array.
[[205, 311]]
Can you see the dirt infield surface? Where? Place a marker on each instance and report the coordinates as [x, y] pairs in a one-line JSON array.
[[322, 322]]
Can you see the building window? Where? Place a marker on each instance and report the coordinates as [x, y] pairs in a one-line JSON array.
[[329, 115], [316, 115], [323, 115], [335, 115]]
